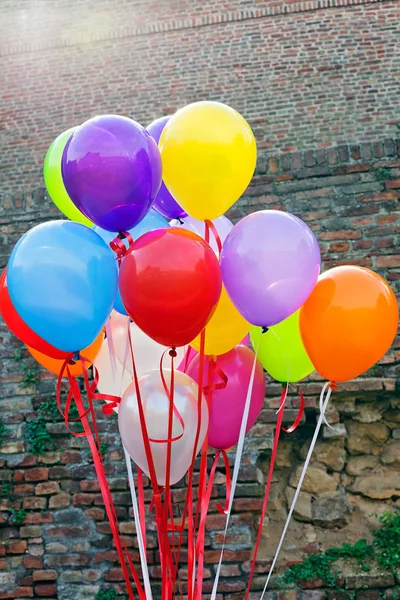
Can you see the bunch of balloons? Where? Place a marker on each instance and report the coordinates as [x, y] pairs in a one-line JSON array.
[[148, 263]]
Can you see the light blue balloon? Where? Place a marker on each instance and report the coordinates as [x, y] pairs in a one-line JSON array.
[[118, 305], [62, 280], [153, 220]]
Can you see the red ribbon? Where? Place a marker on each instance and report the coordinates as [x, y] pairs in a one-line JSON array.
[[299, 414], [278, 429], [205, 503], [118, 246], [210, 226], [93, 440]]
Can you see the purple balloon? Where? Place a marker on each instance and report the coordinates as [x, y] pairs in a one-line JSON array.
[[165, 204], [111, 169], [270, 264]]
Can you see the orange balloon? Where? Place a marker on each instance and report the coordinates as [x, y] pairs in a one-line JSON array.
[[349, 322], [54, 365]]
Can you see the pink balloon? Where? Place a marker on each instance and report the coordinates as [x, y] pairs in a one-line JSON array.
[[245, 341], [227, 404]]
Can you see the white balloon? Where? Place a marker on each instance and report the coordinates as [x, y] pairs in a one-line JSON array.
[[147, 353], [222, 224], [108, 384], [156, 410]]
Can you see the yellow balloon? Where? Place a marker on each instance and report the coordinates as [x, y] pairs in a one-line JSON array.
[[208, 155], [225, 330]]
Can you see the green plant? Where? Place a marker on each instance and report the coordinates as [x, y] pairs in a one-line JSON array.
[[6, 490], [109, 594], [383, 173], [3, 432], [319, 566], [103, 448], [39, 439], [31, 376], [384, 552], [18, 355], [17, 517], [50, 410], [387, 541]]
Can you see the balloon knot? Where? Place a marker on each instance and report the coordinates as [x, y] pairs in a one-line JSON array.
[[264, 329], [74, 358], [334, 386], [173, 353]]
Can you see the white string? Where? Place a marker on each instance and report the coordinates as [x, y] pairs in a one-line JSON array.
[[238, 458], [323, 404], [142, 552]]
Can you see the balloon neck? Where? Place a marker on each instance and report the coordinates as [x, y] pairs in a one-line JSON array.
[[264, 329], [172, 352], [334, 386], [74, 358]]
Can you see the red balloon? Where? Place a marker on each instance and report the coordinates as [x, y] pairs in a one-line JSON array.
[[170, 285], [19, 328]]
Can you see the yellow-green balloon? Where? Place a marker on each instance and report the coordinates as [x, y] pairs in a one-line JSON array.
[[54, 181], [281, 350]]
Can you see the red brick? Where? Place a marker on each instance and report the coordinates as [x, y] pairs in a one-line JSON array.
[[19, 592], [83, 499], [97, 514], [339, 247], [47, 489], [38, 474], [71, 457], [17, 547], [34, 503], [44, 575], [347, 234], [394, 184], [387, 261], [378, 197], [114, 575], [59, 501], [45, 590], [33, 562]]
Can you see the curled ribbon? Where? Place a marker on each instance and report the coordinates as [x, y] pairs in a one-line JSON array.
[[211, 227], [118, 246]]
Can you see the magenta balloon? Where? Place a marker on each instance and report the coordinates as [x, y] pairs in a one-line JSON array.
[[189, 355], [164, 203], [227, 404], [270, 264]]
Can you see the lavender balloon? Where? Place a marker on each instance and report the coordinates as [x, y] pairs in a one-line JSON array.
[[270, 264], [111, 169], [165, 204]]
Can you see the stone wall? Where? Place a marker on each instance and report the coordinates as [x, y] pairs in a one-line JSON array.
[[319, 82], [63, 549]]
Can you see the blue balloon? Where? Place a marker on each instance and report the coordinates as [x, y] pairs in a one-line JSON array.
[[118, 305], [152, 220], [63, 279]]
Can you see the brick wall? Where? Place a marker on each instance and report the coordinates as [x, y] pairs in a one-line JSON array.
[[349, 196], [304, 80], [319, 84]]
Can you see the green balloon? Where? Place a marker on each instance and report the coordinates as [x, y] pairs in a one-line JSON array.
[[54, 181], [281, 350]]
